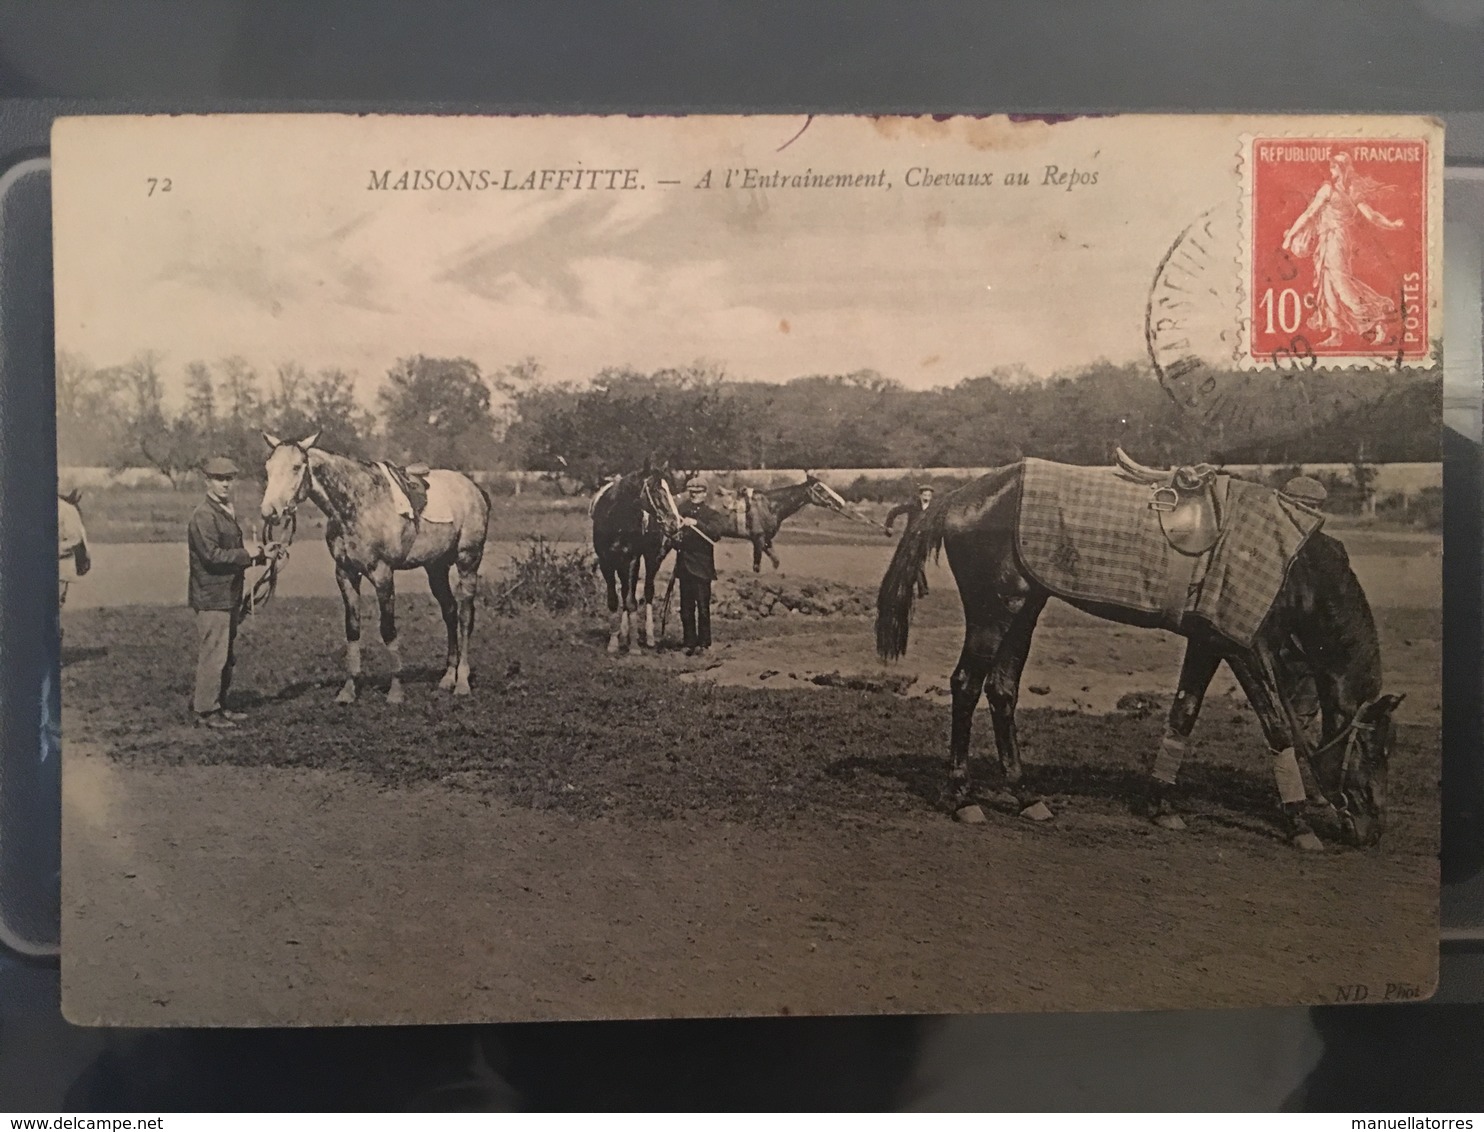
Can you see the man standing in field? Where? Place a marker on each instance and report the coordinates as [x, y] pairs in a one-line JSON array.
[[695, 562], [218, 560], [914, 512]]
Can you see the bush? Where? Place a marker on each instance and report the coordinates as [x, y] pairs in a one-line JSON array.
[[545, 578], [1423, 510]]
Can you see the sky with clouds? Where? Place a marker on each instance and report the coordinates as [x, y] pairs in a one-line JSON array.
[[271, 245]]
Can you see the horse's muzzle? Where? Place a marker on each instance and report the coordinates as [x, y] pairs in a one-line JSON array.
[[1362, 829]]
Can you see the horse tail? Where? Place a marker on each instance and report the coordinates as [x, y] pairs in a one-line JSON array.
[[899, 585]]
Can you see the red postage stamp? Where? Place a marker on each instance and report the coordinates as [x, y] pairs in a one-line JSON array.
[[1337, 251]]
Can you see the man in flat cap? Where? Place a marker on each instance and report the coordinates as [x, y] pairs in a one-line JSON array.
[[219, 558], [1306, 490], [695, 563]]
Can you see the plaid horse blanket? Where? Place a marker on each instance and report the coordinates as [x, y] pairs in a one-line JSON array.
[[1088, 534]]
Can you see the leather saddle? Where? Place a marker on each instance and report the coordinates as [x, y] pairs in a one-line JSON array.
[[413, 479], [1190, 500]]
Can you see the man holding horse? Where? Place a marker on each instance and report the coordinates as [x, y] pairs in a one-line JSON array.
[[695, 564], [219, 557]]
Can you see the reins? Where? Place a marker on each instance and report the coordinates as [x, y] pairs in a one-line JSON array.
[[1350, 734]]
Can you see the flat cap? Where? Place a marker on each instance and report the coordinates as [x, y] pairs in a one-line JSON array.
[[219, 466], [1306, 489], [695, 481]]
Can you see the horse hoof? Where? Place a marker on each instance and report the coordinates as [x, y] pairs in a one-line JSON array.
[[1037, 811], [446, 684], [1005, 802], [1172, 822], [1308, 843], [394, 694], [461, 689], [347, 695], [969, 815], [612, 646]]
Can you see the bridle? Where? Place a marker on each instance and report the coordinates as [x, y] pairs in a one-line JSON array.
[[668, 513], [266, 585], [1350, 735]]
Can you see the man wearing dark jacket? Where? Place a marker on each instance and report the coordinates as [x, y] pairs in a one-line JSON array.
[[695, 562], [914, 512], [218, 560]]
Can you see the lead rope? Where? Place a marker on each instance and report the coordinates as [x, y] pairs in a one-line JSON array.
[[266, 585]]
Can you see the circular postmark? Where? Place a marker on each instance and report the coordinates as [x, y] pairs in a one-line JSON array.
[[1194, 336]]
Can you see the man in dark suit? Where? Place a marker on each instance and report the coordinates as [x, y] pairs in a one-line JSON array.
[[218, 560], [695, 563], [913, 511]]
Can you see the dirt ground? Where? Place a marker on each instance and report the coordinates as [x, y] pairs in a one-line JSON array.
[[592, 837]]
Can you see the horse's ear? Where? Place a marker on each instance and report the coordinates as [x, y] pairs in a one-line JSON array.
[[309, 441], [74, 496], [1388, 704], [271, 440]]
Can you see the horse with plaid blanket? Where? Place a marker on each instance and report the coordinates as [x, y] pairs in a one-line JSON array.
[[1318, 624]]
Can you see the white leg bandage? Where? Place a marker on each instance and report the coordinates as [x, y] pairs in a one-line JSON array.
[[353, 658], [1171, 755], [1290, 781]]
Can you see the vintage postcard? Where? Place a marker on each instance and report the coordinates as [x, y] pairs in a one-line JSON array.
[[568, 568]]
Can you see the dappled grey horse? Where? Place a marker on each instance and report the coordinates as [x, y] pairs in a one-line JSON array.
[[369, 536]]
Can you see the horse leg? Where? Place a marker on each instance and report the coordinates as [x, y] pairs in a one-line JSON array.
[[768, 550], [1196, 671], [1002, 689], [630, 604], [349, 581], [651, 568], [981, 642], [448, 605], [1290, 781], [610, 578], [757, 554], [466, 589], [386, 598]]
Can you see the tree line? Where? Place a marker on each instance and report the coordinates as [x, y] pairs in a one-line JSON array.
[[450, 413]]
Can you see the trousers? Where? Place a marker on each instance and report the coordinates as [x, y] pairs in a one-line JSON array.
[[695, 610], [216, 636]]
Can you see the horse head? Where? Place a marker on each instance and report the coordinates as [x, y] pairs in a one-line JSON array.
[[288, 475], [657, 496], [72, 535], [1352, 769], [822, 494]]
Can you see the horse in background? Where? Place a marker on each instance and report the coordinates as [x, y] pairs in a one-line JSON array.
[[1321, 618], [371, 536], [72, 543], [634, 517], [758, 514]]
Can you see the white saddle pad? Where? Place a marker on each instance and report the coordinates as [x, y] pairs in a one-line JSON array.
[[439, 508]]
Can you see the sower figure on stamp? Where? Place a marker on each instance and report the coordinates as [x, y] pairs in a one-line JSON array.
[[218, 559], [914, 512], [695, 564]]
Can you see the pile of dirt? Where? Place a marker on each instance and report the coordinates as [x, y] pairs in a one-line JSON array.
[[746, 598]]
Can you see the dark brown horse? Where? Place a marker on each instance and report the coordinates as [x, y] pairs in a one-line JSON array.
[[1321, 624], [770, 508], [634, 517], [370, 537]]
